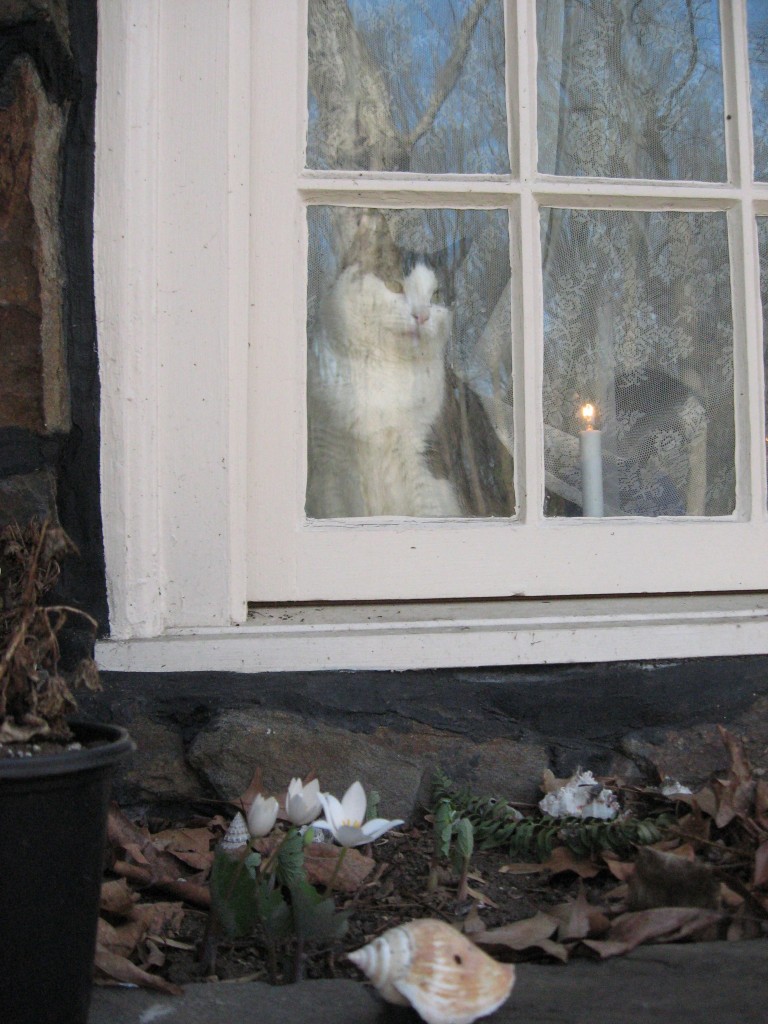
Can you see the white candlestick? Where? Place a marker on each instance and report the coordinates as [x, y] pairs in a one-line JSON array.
[[591, 454]]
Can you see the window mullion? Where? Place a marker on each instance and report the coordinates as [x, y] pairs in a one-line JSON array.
[[528, 359], [745, 274]]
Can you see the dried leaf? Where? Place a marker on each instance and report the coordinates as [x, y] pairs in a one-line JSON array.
[[533, 933], [760, 876], [160, 918], [662, 924], [153, 867], [481, 897], [761, 803], [119, 969], [117, 897], [622, 870], [122, 939], [574, 918], [320, 861], [562, 859], [255, 787], [670, 880], [191, 846], [521, 869]]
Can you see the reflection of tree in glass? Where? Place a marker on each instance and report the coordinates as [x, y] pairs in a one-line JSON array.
[[757, 27], [627, 88]]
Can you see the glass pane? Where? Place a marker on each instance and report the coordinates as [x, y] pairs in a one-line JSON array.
[[757, 27], [637, 323], [407, 85], [409, 381], [631, 89], [762, 236]]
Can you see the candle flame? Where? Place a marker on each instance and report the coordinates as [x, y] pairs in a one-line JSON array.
[[588, 412]]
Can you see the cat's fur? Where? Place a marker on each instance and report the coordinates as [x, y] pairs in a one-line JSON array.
[[378, 391]]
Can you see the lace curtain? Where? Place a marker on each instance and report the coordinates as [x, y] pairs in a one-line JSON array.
[[636, 304]]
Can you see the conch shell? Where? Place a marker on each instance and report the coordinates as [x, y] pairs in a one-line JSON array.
[[430, 966]]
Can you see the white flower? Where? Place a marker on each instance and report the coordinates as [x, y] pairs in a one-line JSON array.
[[302, 803], [581, 797], [262, 815], [345, 820]]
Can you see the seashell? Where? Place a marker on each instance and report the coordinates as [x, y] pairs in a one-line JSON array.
[[236, 836], [430, 966]]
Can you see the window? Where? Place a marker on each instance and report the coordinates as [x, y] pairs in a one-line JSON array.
[[560, 195], [593, 248]]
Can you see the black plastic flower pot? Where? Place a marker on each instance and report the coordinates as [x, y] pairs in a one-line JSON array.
[[53, 816]]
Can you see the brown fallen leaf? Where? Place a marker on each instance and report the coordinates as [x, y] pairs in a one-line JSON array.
[[532, 933], [671, 880], [521, 869], [561, 860], [191, 846], [160, 918], [117, 897], [147, 865], [760, 875], [622, 870], [662, 924], [121, 939], [579, 919], [320, 861], [120, 969]]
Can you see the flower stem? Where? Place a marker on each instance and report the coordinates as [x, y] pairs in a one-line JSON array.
[[339, 862]]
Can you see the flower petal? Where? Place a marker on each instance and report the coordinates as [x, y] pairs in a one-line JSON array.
[[334, 813], [354, 803], [348, 835], [378, 826]]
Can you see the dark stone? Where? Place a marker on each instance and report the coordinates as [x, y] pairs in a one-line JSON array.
[[31, 496], [496, 730]]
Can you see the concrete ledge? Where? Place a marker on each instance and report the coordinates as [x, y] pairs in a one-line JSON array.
[[699, 983]]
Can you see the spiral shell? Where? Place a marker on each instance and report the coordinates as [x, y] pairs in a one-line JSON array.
[[430, 966], [236, 836]]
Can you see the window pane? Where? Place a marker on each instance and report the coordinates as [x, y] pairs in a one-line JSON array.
[[409, 382], [631, 89], [407, 85], [637, 322], [757, 15], [762, 236]]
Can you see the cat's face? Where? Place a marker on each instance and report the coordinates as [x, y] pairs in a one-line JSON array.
[[399, 316]]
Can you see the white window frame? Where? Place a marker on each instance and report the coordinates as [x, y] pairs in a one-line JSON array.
[[185, 88]]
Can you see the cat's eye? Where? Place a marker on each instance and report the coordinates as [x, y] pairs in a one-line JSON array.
[[396, 287]]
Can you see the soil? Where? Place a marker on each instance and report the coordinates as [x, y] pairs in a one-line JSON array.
[[395, 892]]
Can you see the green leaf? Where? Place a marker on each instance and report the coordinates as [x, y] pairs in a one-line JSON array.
[[465, 838], [290, 859], [273, 911], [372, 805], [315, 917], [233, 895], [444, 817]]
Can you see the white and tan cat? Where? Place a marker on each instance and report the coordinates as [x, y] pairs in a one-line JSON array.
[[376, 386], [392, 430]]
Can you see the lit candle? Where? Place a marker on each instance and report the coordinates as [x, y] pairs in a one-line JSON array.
[[590, 451]]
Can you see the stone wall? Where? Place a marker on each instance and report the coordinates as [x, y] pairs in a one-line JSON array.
[[49, 384], [201, 736]]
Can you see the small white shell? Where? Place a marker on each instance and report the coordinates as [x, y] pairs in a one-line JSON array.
[[236, 836], [430, 966]]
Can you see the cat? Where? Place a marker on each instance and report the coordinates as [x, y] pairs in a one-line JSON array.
[[385, 413]]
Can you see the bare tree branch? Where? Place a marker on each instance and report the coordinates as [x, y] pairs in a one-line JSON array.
[[355, 120], [356, 125], [449, 73]]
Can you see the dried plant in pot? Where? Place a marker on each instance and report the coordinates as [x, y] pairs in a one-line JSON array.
[[55, 780]]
